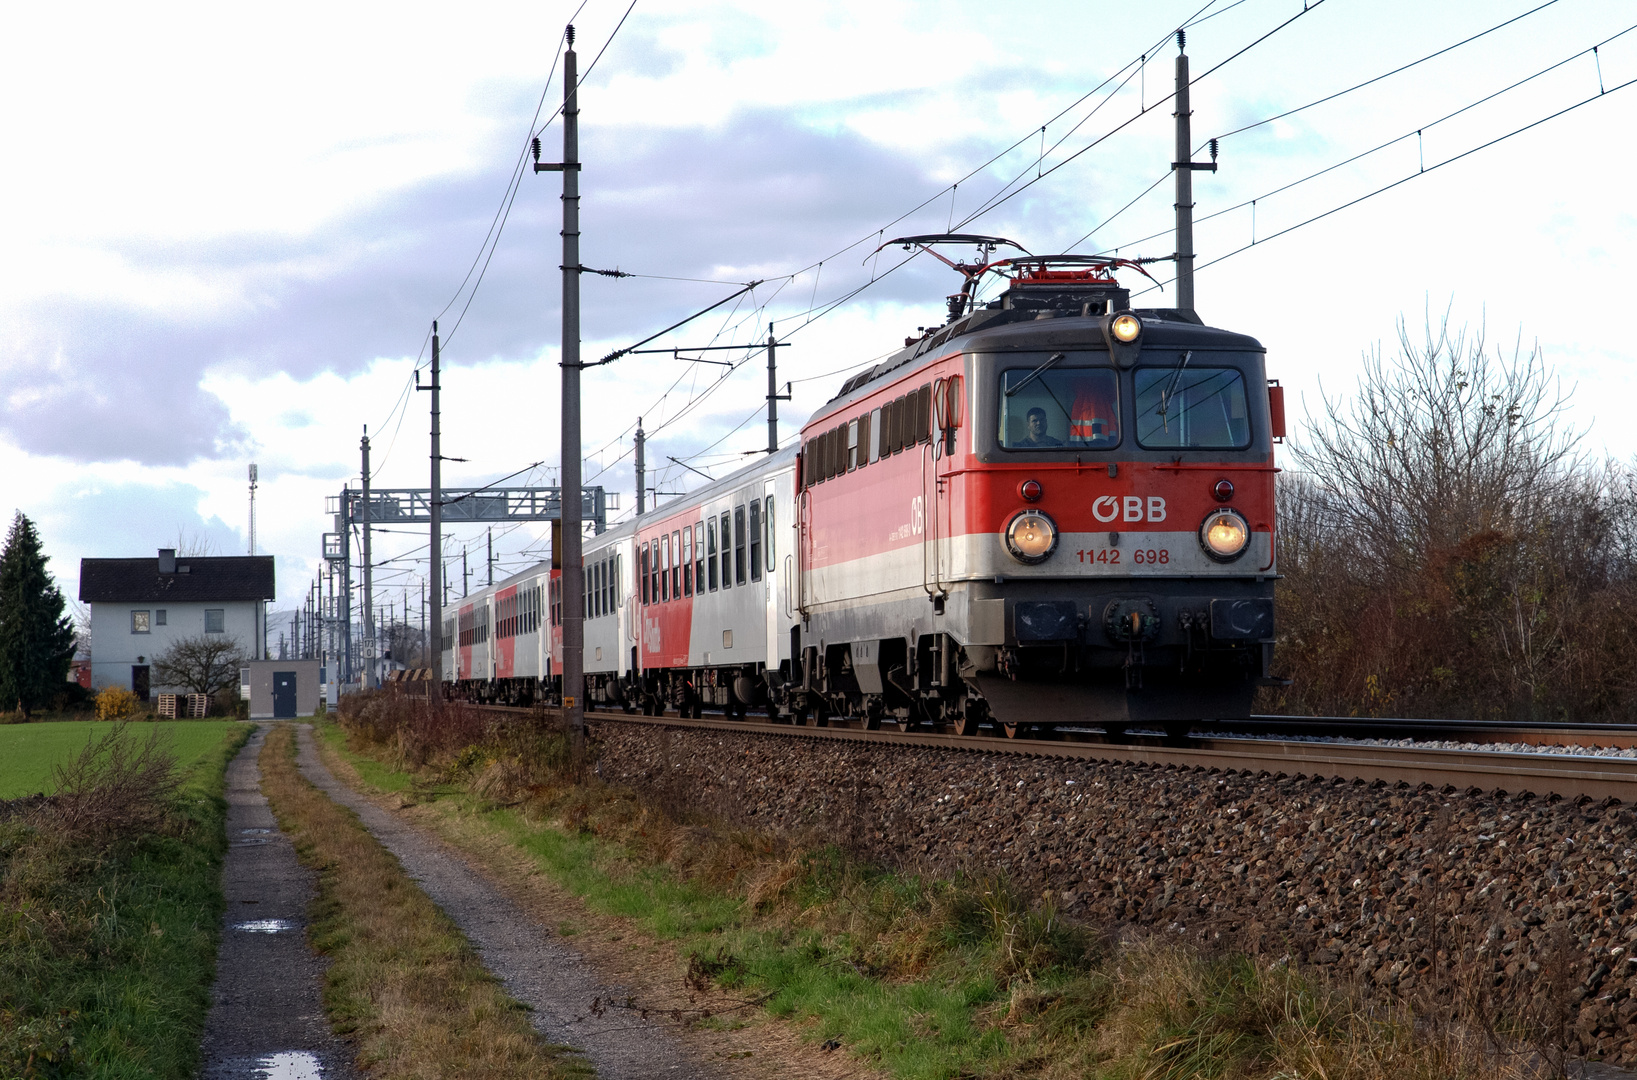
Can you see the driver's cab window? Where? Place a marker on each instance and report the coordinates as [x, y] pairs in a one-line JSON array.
[[1053, 408]]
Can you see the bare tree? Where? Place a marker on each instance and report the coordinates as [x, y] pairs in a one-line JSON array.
[[193, 544], [1442, 442], [205, 664], [404, 642], [1448, 549]]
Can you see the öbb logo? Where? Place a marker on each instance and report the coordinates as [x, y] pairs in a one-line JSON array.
[[1108, 508]]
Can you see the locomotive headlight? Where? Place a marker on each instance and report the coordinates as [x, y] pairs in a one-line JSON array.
[[1126, 327], [1031, 537], [1224, 535]]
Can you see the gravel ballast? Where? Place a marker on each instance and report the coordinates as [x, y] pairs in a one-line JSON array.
[[1405, 890]]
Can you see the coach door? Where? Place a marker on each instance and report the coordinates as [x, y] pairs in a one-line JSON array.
[[937, 465], [772, 570]]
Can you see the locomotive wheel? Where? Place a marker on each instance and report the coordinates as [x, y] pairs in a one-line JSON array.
[[964, 724], [1017, 731]]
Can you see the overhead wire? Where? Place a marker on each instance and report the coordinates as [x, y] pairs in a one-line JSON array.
[[1423, 170], [1405, 137], [1292, 112], [1384, 75], [999, 201]]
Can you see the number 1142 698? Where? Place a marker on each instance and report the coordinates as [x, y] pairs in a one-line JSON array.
[[1113, 556]]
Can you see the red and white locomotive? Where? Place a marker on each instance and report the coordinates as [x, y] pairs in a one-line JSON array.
[[1051, 511]]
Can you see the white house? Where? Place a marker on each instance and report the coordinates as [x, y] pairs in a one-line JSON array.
[[140, 606]]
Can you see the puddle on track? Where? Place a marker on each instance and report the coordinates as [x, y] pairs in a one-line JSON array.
[[265, 926], [289, 1065]]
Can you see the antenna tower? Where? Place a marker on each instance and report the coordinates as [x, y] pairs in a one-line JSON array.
[[252, 508]]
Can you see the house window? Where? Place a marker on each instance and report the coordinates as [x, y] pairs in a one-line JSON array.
[[159, 617], [139, 622], [214, 620]]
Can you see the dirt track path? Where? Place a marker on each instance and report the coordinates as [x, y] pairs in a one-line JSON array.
[[267, 1015], [533, 964]]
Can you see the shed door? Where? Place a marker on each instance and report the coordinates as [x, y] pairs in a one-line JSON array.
[[284, 694]]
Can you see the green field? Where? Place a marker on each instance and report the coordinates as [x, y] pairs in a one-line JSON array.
[[28, 752]]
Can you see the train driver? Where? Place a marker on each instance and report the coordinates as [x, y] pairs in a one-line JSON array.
[[1036, 422]]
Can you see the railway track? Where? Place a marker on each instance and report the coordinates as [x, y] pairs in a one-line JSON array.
[[1565, 775]]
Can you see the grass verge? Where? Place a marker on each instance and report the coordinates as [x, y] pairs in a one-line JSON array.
[[110, 908], [30, 752], [923, 977], [403, 981]]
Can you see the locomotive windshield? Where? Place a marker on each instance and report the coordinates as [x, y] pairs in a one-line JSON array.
[[1192, 408], [1059, 407]]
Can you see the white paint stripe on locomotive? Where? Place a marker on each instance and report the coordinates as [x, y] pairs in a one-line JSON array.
[[1079, 557]]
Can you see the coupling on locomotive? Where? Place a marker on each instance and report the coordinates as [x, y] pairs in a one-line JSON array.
[[1053, 510]]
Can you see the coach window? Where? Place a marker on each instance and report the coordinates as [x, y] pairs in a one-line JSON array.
[[767, 523], [863, 425], [664, 567], [687, 562], [853, 461], [710, 551], [642, 560], [676, 565], [698, 557], [727, 552], [755, 539], [738, 545]]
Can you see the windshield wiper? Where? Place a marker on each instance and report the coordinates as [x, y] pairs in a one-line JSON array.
[[1033, 375], [1170, 389]]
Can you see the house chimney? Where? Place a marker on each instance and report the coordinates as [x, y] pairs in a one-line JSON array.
[[167, 560]]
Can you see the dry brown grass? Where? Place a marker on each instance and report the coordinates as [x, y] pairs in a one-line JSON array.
[[403, 981]]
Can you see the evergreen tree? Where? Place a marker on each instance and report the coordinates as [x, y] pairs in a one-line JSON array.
[[36, 638]]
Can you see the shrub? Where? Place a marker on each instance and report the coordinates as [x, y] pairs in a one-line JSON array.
[[116, 786], [117, 703]]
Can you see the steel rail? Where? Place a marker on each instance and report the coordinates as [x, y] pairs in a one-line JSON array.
[[1565, 775], [1477, 731]]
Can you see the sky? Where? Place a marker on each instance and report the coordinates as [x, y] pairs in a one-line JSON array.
[[229, 229]]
